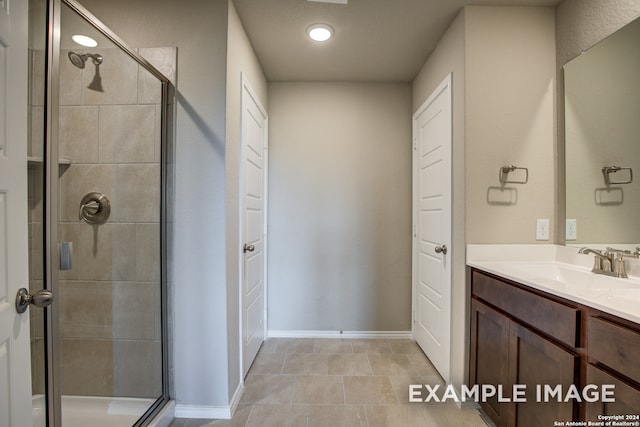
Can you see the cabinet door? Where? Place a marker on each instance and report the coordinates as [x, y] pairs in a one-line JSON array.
[[627, 398], [489, 356], [535, 361]]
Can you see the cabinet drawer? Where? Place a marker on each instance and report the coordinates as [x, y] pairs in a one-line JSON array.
[[627, 398], [558, 320], [615, 346]]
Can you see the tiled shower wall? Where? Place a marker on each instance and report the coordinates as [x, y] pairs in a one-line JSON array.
[[110, 143]]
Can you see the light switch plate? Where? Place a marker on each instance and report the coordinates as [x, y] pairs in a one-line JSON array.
[[542, 229], [571, 232]]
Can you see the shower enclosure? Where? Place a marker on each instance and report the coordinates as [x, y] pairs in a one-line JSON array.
[[98, 114]]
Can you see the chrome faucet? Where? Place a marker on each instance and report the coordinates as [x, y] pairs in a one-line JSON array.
[[610, 262]]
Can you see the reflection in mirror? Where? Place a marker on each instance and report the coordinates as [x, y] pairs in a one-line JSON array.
[[602, 125]]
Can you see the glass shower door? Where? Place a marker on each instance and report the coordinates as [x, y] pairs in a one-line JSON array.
[[103, 192]]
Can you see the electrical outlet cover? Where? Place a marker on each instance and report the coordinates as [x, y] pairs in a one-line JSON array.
[[571, 232], [542, 229]]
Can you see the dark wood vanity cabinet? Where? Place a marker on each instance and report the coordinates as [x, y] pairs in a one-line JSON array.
[[521, 336], [506, 352], [613, 358]]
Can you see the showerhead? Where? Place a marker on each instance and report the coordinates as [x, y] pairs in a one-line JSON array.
[[79, 59]]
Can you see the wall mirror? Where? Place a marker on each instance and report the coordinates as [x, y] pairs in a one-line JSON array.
[[602, 142]]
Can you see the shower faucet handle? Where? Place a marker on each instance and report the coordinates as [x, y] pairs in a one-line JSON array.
[[95, 208]]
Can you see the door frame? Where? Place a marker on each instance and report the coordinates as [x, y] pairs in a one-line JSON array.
[[445, 84], [247, 91]]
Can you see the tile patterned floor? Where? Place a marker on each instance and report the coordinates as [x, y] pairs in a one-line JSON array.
[[335, 383]]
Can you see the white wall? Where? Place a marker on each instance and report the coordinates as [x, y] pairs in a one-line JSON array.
[[340, 206], [510, 119], [198, 29], [448, 57]]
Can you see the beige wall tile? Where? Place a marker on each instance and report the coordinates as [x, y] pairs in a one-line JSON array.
[[119, 310], [78, 133], [148, 257], [36, 132], [104, 252], [70, 88], [134, 310], [137, 368], [149, 88], [127, 133], [37, 366], [85, 309], [87, 367], [36, 77], [138, 189], [119, 77], [157, 146], [36, 246], [164, 59], [36, 192], [111, 368], [79, 180]]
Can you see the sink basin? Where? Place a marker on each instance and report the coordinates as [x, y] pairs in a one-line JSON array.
[[614, 295]]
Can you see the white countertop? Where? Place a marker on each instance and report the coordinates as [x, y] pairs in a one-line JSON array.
[[561, 271]]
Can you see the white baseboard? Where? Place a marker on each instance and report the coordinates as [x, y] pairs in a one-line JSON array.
[[211, 412], [339, 334], [235, 400]]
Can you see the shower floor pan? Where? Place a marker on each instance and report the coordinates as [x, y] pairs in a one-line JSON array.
[[83, 411]]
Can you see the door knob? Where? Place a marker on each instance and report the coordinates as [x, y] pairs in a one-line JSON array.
[[441, 249], [40, 299], [248, 248]]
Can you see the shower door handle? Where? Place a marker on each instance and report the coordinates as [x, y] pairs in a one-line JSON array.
[[41, 299]]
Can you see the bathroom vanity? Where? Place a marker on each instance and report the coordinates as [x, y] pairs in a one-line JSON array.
[[568, 337]]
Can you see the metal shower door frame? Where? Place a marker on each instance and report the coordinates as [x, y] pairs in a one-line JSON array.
[[51, 252]]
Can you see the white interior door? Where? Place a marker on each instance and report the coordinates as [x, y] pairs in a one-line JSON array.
[[253, 243], [432, 135], [15, 366]]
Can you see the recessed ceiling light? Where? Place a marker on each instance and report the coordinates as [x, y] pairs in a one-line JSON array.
[[83, 40], [320, 32]]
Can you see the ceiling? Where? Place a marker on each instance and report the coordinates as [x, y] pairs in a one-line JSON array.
[[375, 40]]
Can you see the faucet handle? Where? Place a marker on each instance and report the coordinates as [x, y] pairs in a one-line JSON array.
[[619, 251], [619, 267]]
